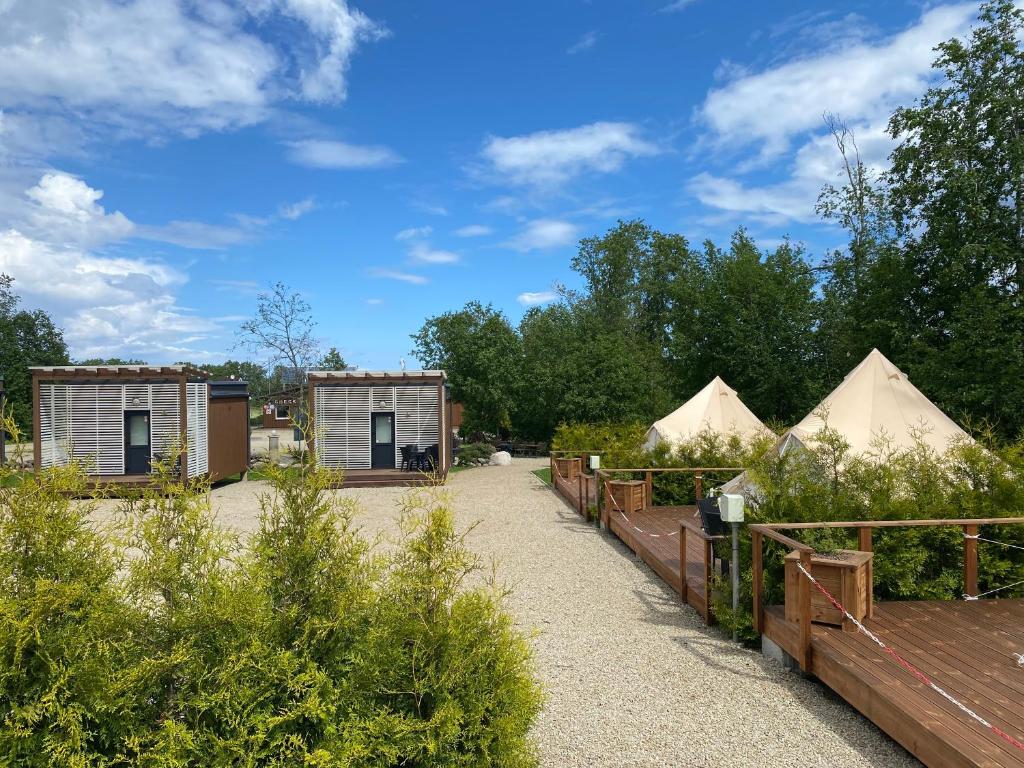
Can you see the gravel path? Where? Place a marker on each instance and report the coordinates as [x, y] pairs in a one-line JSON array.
[[632, 677]]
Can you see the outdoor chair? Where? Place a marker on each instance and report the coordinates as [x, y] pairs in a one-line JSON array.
[[430, 458], [409, 454]]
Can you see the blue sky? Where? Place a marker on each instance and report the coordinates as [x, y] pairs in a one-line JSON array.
[[162, 161]]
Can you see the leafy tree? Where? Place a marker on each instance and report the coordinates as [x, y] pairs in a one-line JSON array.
[[862, 301], [110, 361], [957, 188], [282, 330], [27, 337], [254, 374], [480, 351], [755, 326], [332, 361]]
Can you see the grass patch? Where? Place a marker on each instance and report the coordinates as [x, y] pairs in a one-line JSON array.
[[544, 474], [10, 481]]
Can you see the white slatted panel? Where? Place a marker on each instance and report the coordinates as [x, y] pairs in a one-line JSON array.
[[109, 458], [382, 398], [140, 392], [198, 397], [54, 424], [342, 422], [84, 410], [164, 421], [416, 418]]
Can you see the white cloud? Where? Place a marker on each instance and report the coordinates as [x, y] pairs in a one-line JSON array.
[[585, 43], [550, 158], [544, 233], [375, 302], [199, 234], [339, 155], [473, 230], [676, 6], [534, 298], [414, 233], [424, 254], [241, 287], [71, 257], [107, 305], [151, 66], [67, 209], [337, 31], [759, 116], [434, 209], [293, 211], [404, 277], [860, 82]]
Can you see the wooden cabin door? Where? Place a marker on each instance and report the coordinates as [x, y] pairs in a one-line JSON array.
[[382, 440], [136, 442]]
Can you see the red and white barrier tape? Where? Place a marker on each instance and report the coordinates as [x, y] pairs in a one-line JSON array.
[[906, 665]]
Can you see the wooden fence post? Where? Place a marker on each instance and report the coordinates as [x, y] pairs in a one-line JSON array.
[[865, 545], [698, 485], [757, 553], [582, 501], [970, 560], [804, 608], [648, 489], [682, 562], [709, 565]]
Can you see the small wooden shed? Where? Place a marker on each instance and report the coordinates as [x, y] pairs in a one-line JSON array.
[[369, 422], [118, 419], [280, 409]]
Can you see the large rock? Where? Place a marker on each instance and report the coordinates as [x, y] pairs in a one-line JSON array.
[[501, 459]]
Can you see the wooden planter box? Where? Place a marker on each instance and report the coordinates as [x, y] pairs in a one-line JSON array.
[[568, 468], [845, 573], [627, 495]]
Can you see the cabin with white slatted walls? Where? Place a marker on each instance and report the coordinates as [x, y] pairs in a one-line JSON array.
[[381, 427], [118, 419]]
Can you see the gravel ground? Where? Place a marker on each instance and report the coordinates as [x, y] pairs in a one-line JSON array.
[[631, 676]]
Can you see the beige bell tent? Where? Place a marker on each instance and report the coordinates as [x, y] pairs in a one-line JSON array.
[[875, 401], [717, 407]]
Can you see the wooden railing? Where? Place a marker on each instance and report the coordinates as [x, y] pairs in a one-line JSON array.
[[585, 486], [700, 602], [648, 475], [759, 532]]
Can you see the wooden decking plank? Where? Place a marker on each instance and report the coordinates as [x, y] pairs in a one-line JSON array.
[[923, 735], [955, 621], [911, 713], [963, 619], [919, 706], [949, 674], [950, 654]]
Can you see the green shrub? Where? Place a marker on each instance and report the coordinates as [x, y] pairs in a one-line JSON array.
[[826, 483], [621, 445], [160, 640], [474, 454]]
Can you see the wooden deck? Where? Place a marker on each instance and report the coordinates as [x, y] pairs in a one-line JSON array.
[[967, 648], [383, 478], [654, 535]]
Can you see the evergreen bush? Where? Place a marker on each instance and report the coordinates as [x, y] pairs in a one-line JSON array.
[[160, 640]]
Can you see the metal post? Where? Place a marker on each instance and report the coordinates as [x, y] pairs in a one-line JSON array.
[[735, 577]]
